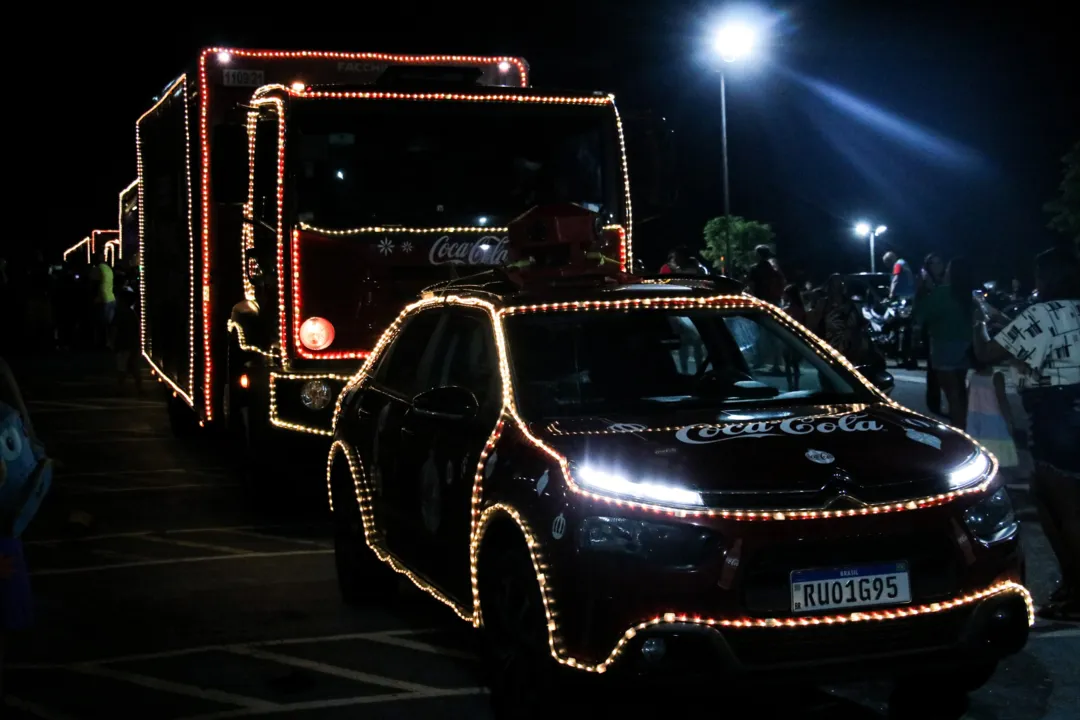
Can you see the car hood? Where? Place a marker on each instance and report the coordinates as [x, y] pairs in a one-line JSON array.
[[789, 457]]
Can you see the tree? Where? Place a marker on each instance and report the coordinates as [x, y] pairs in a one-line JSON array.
[[1066, 207], [730, 241]]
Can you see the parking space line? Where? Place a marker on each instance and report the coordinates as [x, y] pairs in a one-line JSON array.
[[1057, 634], [334, 670], [143, 657], [197, 545], [35, 709], [248, 703], [255, 530], [340, 703], [174, 561], [265, 536], [388, 639]]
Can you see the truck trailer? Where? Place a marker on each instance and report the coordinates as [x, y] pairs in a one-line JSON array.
[[291, 203]]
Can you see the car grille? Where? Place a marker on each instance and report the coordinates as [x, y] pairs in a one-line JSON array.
[[931, 558], [824, 643]]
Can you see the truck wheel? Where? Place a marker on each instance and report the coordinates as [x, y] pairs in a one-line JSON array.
[[361, 576], [182, 420], [525, 681]]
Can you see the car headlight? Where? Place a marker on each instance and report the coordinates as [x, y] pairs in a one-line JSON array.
[[973, 471], [315, 394], [992, 520], [615, 485], [677, 546]]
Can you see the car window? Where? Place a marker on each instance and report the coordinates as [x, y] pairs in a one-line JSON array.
[[406, 366], [663, 360], [467, 357]]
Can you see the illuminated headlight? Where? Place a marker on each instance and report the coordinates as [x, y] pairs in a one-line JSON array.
[[606, 483], [973, 471], [315, 394], [993, 519]]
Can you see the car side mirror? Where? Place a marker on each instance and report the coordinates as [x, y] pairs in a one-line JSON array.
[[451, 402], [882, 379]]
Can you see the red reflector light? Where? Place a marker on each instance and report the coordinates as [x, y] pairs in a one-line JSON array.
[[245, 382], [316, 333]]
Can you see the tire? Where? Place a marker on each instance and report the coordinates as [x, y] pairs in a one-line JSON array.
[[526, 682], [362, 577]]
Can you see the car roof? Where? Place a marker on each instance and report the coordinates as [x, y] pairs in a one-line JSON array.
[[507, 291]]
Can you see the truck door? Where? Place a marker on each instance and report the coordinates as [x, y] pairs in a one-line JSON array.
[[439, 455]]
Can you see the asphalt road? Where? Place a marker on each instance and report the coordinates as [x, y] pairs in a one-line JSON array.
[[162, 592]]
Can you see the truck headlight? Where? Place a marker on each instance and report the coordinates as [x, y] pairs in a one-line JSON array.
[[992, 520], [315, 394], [971, 472]]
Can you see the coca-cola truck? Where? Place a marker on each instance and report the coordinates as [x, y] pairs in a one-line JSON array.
[[128, 223], [291, 203]]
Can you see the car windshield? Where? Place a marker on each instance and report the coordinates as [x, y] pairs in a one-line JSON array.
[[656, 361], [395, 162]]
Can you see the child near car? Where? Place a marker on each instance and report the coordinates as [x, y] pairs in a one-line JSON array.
[[989, 417]]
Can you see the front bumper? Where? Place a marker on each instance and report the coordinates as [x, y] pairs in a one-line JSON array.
[[994, 626]]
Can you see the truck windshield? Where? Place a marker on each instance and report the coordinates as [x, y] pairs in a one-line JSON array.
[[362, 163], [658, 361]]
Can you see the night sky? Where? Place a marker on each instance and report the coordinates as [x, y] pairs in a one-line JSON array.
[[945, 121]]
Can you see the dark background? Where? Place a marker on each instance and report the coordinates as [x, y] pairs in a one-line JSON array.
[[945, 121]]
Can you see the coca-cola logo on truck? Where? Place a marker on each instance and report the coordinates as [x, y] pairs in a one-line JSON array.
[[486, 250]]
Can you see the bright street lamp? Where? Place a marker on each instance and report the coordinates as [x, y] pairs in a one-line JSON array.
[[864, 229], [734, 41]]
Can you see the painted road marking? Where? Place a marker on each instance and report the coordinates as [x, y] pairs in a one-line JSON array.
[[340, 703], [254, 530], [194, 691], [35, 709], [175, 561], [196, 545], [147, 488], [421, 646], [149, 471], [332, 670]]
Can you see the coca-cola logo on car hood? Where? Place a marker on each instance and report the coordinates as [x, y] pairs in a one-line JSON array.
[[704, 434]]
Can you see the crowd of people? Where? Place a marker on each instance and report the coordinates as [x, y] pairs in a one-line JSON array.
[[972, 347], [73, 306]]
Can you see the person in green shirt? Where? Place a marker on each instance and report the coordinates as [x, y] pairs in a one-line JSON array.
[[104, 298], [946, 312]]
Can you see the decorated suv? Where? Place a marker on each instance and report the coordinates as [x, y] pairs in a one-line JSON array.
[[606, 475]]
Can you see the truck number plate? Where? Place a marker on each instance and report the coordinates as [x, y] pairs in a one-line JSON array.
[[236, 77]]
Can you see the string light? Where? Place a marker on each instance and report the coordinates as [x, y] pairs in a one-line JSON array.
[[226, 55], [479, 521], [236, 327], [277, 421], [120, 211], [177, 86], [84, 242]]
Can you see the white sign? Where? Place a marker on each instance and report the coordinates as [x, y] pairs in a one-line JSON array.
[[486, 250], [237, 77], [704, 434]]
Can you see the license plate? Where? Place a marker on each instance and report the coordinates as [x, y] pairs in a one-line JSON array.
[[850, 587]]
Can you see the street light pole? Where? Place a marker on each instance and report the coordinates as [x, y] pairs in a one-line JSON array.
[[723, 142], [866, 230], [873, 255]]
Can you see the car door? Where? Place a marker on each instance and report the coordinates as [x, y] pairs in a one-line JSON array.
[[442, 454], [402, 372]]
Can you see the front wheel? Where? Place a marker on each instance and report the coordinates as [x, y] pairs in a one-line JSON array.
[[361, 576], [182, 419], [526, 682]]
